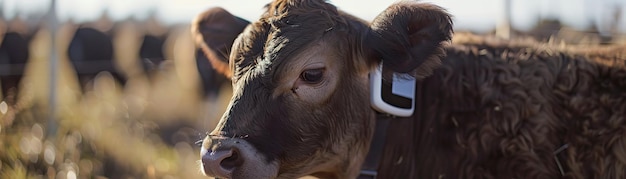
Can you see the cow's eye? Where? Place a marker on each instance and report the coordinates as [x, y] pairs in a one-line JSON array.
[[312, 76]]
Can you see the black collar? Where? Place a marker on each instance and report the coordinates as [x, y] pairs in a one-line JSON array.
[[369, 169]]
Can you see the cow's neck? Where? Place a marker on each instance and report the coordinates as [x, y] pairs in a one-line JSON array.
[[405, 136], [375, 156]]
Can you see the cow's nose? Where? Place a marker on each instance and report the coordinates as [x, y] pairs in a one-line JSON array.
[[235, 158], [221, 163]]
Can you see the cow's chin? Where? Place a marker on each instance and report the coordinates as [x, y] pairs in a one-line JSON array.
[[257, 169]]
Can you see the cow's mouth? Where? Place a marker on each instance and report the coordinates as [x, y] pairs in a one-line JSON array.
[[235, 158]]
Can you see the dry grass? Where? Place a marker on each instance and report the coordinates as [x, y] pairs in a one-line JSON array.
[[145, 129]]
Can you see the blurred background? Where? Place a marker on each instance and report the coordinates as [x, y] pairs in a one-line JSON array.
[[117, 88]]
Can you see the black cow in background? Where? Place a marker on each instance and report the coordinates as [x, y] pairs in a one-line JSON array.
[[13, 56], [212, 76], [91, 52], [211, 80], [151, 52], [152, 47]]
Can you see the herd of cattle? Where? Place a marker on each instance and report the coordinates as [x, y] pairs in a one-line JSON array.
[[85, 51], [92, 48]]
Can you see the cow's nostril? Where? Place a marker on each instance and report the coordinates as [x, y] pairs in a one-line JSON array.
[[232, 162], [214, 163]]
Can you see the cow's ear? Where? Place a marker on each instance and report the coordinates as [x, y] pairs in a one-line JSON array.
[[214, 31], [409, 37]]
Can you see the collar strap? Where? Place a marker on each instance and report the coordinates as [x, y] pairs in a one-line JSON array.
[[369, 170]]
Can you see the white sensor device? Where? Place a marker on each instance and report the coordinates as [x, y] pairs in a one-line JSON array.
[[396, 97]]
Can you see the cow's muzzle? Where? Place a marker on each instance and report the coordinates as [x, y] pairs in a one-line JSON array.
[[234, 158]]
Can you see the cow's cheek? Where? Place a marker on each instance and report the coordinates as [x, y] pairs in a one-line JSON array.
[[312, 94]]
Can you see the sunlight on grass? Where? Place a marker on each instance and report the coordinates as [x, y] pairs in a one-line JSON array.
[[143, 129]]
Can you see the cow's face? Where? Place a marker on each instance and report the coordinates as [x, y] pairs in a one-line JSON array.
[[300, 104]]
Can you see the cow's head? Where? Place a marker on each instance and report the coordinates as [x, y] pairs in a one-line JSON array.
[[300, 77]]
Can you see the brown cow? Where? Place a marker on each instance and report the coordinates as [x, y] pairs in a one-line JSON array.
[[301, 107]]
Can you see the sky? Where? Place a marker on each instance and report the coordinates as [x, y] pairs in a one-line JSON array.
[[476, 15]]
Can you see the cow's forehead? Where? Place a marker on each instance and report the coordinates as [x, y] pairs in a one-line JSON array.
[[278, 37]]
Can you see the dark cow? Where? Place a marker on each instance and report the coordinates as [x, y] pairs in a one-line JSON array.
[[13, 57], [152, 48], [91, 52], [211, 80], [300, 104], [151, 52]]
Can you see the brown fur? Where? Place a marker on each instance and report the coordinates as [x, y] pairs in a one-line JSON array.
[[306, 138], [496, 111], [215, 40], [484, 109]]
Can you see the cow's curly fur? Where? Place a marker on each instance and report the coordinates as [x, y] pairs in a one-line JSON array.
[[496, 110], [484, 109]]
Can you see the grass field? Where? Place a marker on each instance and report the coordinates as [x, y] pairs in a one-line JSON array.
[[145, 129]]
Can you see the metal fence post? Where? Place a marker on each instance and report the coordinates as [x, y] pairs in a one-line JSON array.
[[52, 98]]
